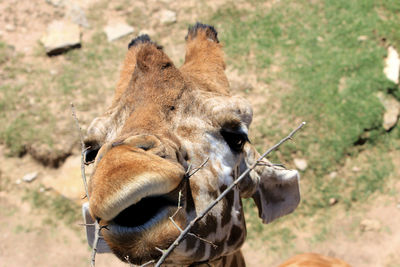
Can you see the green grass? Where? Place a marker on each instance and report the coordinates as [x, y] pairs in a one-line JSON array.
[[4, 52], [320, 47], [34, 103], [333, 79]]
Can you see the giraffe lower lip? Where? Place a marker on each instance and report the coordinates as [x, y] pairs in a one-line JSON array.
[[147, 210]]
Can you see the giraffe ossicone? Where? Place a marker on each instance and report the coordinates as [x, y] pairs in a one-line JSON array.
[[162, 120]]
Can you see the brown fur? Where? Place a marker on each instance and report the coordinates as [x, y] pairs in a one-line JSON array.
[[313, 260]]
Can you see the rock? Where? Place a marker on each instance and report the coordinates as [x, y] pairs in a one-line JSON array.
[[333, 201], [333, 175], [392, 111], [76, 14], [392, 65], [362, 38], [356, 169], [391, 115], [68, 181], [30, 177], [370, 225], [56, 3], [167, 17], [115, 31], [53, 72], [18, 181], [300, 164], [10, 27], [60, 37], [342, 85]]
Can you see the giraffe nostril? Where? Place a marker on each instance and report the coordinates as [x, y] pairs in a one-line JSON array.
[[146, 146], [90, 154]]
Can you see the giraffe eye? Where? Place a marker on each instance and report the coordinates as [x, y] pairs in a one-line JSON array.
[[235, 139]]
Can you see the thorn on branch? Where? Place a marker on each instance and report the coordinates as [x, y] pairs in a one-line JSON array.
[[179, 204], [86, 224], [177, 226], [188, 175], [204, 240], [104, 227], [148, 263], [159, 249]]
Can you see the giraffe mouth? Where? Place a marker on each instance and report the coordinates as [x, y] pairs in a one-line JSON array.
[[144, 213]]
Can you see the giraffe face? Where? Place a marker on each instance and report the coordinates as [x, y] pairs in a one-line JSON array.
[[171, 142]]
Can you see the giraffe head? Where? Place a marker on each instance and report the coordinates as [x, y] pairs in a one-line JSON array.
[[163, 123]]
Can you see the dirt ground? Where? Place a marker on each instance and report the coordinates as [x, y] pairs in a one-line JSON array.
[[30, 238]]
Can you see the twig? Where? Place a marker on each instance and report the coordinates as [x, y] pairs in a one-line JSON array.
[[188, 175], [204, 240], [95, 242], [179, 204], [221, 196], [83, 150], [86, 224], [148, 263], [96, 223]]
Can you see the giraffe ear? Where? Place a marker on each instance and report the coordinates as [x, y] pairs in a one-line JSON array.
[[275, 190]]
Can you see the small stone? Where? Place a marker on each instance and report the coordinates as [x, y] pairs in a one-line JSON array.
[[167, 17], [115, 31], [42, 189], [300, 164], [53, 72], [342, 85], [333, 201], [19, 181], [76, 14], [30, 177], [356, 169], [333, 175], [320, 39], [370, 225], [10, 27], [392, 110], [56, 3], [392, 65], [362, 38], [61, 36]]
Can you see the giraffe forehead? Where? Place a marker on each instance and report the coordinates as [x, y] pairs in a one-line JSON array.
[[221, 109]]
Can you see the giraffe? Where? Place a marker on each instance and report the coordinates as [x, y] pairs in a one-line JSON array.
[[164, 121], [313, 260]]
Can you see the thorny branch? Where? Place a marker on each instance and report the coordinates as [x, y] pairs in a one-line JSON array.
[[96, 223], [184, 232]]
